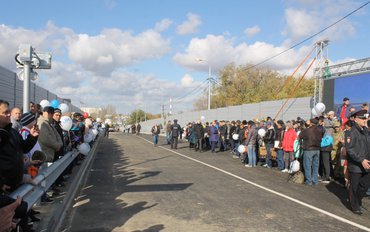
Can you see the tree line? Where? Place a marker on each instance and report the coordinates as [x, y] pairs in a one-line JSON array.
[[246, 84]]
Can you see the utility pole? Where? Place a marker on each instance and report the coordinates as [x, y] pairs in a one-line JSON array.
[[209, 81], [145, 112], [163, 114], [170, 112], [209, 87]]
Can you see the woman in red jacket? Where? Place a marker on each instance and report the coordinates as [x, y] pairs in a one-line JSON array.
[[290, 136]]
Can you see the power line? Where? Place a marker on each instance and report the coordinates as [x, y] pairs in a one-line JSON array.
[[310, 37], [190, 92], [199, 90]]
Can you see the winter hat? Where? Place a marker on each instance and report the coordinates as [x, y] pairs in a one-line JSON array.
[[27, 118]]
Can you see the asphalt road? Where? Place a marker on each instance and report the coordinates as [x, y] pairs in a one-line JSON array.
[[133, 186]]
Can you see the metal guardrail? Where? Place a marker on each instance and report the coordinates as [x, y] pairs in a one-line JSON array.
[[31, 193], [43, 181]]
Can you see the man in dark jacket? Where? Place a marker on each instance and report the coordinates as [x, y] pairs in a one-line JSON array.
[[230, 134], [175, 132], [199, 134], [357, 144], [311, 140], [269, 139], [12, 148], [223, 135]]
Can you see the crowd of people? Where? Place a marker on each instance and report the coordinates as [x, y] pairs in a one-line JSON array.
[[29, 143], [333, 146]]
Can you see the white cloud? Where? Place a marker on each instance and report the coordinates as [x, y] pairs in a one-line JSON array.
[[163, 25], [114, 48], [94, 73], [252, 31], [102, 53], [218, 51], [187, 80], [126, 90], [189, 26], [305, 21]]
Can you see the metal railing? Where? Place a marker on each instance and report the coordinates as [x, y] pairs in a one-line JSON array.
[[43, 181], [31, 193]]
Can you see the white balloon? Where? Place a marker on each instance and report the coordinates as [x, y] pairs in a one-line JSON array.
[[235, 136], [98, 119], [261, 132], [64, 108], [84, 148], [320, 107], [95, 131], [315, 113], [44, 103], [88, 138], [241, 149], [66, 123], [202, 118]]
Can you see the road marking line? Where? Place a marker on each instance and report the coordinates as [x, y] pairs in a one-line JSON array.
[[268, 190]]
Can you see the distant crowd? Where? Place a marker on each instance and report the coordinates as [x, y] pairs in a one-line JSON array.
[[333, 146]]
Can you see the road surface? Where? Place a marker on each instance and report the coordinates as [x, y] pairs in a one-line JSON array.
[[134, 186]]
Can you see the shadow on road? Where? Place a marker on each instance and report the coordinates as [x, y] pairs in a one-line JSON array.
[[339, 192], [100, 207]]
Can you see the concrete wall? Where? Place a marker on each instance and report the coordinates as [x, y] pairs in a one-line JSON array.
[[296, 107]]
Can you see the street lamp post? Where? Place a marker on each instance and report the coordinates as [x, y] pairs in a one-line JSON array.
[[26, 86], [27, 60]]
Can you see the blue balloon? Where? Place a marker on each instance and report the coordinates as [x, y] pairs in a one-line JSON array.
[[54, 103]]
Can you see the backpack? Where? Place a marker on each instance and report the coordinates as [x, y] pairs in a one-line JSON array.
[[327, 140], [297, 177]]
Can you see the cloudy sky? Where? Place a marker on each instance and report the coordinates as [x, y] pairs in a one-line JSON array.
[[139, 54]]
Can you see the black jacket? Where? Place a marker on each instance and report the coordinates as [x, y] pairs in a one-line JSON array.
[[11, 157], [358, 148], [241, 132], [175, 130], [232, 131], [269, 137], [223, 130], [198, 131]]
